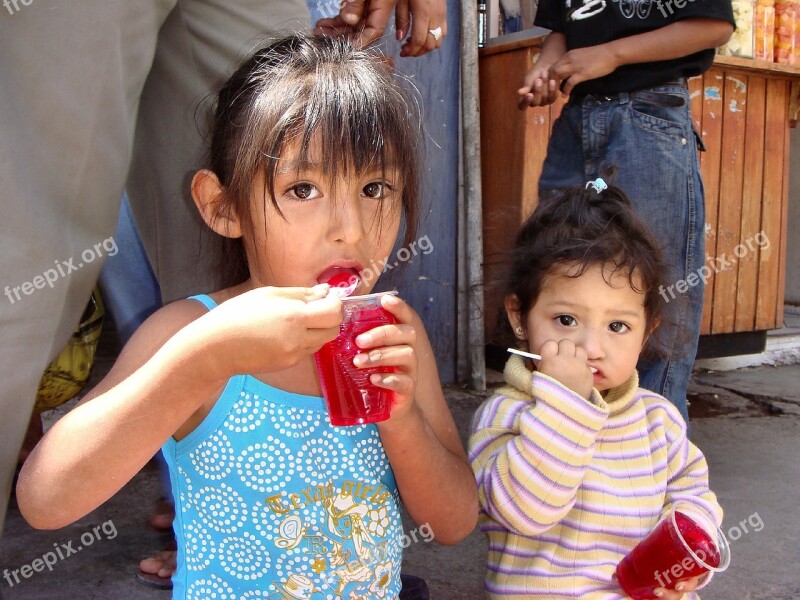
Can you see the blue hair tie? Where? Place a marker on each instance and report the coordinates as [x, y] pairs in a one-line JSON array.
[[598, 185]]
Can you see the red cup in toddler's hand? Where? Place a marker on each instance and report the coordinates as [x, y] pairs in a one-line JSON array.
[[676, 550], [351, 398]]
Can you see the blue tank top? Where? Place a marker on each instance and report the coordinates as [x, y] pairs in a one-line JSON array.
[[272, 501]]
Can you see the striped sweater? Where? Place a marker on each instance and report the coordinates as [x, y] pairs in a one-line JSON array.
[[569, 486]]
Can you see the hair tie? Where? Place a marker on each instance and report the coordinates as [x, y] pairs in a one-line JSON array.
[[598, 185]]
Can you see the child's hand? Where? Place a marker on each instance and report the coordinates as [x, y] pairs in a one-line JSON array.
[[568, 364], [681, 588], [392, 346], [271, 328], [582, 64], [539, 88]]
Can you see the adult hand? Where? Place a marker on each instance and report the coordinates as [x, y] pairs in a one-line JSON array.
[[364, 21], [582, 64], [539, 89]]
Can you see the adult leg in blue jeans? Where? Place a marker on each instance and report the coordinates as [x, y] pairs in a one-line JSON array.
[[649, 138]]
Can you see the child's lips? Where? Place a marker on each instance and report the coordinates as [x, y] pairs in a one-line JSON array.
[[339, 274]]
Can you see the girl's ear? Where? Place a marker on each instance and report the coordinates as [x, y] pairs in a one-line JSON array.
[[514, 317], [209, 197]]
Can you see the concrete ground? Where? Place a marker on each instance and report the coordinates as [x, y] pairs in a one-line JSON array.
[[747, 422]]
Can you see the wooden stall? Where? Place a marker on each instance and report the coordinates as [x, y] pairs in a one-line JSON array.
[[743, 109]]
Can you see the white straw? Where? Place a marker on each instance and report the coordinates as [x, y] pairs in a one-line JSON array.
[[525, 354], [535, 356]]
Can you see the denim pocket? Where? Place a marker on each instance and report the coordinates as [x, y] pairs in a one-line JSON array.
[[659, 112]]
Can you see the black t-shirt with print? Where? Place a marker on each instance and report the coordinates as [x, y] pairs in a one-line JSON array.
[[592, 22]]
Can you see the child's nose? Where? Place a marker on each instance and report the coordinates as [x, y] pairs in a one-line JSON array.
[[348, 221], [591, 341]]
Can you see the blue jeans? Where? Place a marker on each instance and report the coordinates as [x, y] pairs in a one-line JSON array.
[[649, 136]]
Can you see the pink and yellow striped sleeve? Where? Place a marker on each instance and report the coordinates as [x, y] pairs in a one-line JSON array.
[[529, 457]]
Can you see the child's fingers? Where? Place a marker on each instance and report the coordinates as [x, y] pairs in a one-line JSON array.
[[400, 383], [388, 356], [387, 335], [401, 311], [323, 313], [549, 349]]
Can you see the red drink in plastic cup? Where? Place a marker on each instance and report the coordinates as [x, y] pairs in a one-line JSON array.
[[351, 398], [676, 550]]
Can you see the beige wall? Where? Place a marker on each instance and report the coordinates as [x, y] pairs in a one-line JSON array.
[[793, 239]]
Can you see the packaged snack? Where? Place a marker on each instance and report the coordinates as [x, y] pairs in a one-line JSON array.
[[787, 32], [742, 40], [764, 30]]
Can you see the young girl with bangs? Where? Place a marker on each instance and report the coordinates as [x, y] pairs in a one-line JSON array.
[[575, 463], [313, 167]]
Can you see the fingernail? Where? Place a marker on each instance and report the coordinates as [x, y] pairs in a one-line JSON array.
[[400, 34], [363, 340], [376, 378], [679, 587], [360, 360], [658, 593]]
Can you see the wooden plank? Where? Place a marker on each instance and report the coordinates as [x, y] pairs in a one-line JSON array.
[[503, 168], [765, 69], [747, 288], [784, 226], [776, 132], [730, 190], [711, 132]]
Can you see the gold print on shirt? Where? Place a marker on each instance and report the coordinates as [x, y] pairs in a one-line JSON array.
[[348, 550], [283, 503]]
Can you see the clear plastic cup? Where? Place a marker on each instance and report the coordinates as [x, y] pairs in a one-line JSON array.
[[679, 548], [351, 398]]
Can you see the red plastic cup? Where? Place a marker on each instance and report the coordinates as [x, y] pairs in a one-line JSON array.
[[676, 550], [351, 398]]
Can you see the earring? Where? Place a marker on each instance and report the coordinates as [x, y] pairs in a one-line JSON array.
[[520, 332]]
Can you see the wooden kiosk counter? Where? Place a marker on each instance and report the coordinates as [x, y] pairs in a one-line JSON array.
[[743, 109]]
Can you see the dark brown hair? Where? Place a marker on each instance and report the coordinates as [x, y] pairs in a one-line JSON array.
[[312, 88], [580, 228]]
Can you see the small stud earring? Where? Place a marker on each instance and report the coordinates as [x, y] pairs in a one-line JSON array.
[[520, 332]]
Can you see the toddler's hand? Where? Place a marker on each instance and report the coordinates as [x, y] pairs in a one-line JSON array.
[[272, 328], [392, 346], [539, 89], [568, 364], [681, 588]]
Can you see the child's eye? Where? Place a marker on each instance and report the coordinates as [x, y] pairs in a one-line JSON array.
[[375, 189], [565, 320], [618, 327], [304, 191]]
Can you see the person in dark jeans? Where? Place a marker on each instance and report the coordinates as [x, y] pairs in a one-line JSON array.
[[624, 66]]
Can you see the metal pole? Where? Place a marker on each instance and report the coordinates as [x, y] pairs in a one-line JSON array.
[[470, 211]]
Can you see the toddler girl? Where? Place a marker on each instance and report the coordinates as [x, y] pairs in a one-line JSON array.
[[575, 462]]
